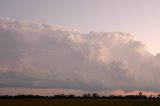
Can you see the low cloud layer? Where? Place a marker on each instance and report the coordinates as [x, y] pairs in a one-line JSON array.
[[51, 56]]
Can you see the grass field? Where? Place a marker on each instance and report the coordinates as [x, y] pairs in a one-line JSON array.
[[77, 102]]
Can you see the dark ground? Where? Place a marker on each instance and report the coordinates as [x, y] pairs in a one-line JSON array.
[[78, 102]]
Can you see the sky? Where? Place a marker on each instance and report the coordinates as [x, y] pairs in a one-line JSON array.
[[102, 46]]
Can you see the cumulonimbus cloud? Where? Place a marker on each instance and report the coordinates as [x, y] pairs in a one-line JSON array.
[[52, 56]]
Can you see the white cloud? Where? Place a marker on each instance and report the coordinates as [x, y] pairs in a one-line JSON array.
[[51, 56]]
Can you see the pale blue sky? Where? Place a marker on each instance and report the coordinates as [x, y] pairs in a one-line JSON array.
[[141, 18]]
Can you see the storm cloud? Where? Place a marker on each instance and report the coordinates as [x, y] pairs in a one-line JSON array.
[[38, 55]]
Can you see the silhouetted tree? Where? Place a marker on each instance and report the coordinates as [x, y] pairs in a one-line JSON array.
[[71, 96], [150, 97], [95, 95], [140, 93], [86, 95]]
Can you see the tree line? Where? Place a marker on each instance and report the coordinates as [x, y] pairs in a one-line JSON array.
[[84, 96]]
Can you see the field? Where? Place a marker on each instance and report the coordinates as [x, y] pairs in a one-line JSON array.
[[78, 102]]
